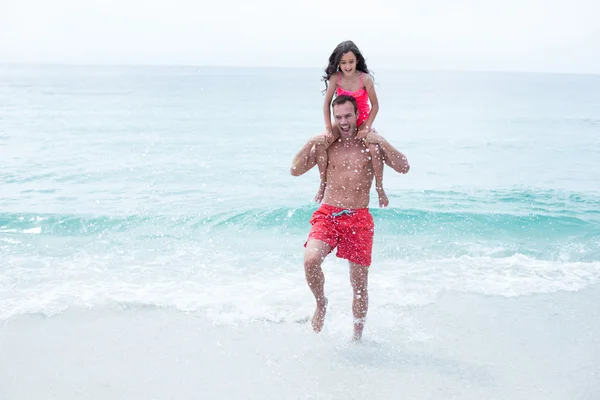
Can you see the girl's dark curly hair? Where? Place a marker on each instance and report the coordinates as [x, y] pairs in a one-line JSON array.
[[336, 56]]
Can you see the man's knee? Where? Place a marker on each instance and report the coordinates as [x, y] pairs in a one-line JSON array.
[[312, 268], [312, 260]]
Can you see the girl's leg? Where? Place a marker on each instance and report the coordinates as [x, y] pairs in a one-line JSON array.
[[321, 153], [393, 158], [377, 161]]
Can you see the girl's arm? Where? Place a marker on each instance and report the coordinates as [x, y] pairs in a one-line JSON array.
[[368, 82], [327, 103]]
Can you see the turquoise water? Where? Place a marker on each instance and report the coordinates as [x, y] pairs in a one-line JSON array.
[[170, 187]]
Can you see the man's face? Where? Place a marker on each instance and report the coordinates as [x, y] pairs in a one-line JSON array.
[[345, 116]]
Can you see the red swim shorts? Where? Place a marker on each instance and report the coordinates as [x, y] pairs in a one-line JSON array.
[[350, 230]]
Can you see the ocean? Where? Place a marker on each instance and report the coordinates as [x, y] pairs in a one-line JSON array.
[[151, 238]]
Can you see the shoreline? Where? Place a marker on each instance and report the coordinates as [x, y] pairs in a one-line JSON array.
[[529, 347]]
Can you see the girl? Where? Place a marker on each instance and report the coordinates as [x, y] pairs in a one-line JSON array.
[[352, 78]]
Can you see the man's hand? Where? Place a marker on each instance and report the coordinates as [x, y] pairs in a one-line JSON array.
[[306, 157], [330, 138], [374, 138], [363, 132], [324, 139]]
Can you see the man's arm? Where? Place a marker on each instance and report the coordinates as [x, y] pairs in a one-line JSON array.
[[306, 157], [391, 156]]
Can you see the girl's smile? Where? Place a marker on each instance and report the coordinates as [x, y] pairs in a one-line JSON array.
[[348, 63]]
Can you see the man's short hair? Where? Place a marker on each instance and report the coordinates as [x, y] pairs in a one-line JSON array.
[[342, 99]]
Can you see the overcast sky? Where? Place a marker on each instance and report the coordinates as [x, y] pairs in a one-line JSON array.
[[513, 35]]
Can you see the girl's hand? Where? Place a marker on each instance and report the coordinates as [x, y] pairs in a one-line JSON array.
[[363, 132], [329, 134], [330, 138]]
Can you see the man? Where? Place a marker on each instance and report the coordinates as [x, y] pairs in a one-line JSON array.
[[344, 220]]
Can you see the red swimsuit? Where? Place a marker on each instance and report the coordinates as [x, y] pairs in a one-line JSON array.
[[362, 100]]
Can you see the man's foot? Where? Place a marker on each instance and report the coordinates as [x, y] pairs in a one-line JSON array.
[[319, 317], [320, 193], [359, 324], [383, 199]]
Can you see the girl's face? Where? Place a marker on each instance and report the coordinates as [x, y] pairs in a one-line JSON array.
[[348, 63]]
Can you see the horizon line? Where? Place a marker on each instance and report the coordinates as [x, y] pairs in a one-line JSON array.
[[305, 67]]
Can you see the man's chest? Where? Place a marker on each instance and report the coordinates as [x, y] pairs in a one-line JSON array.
[[349, 158]]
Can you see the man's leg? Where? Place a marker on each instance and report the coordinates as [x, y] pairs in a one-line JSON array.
[[359, 278], [315, 253]]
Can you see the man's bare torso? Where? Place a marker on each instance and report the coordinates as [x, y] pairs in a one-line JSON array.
[[349, 175]]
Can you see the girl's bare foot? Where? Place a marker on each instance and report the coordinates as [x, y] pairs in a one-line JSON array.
[[383, 199]]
